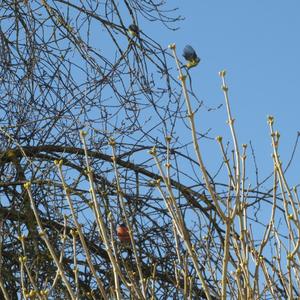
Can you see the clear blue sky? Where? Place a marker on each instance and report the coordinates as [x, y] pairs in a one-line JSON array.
[[258, 43]]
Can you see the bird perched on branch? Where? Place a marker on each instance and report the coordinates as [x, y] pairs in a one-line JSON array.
[[124, 237], [133, 30], [123, 234], [191, 57]]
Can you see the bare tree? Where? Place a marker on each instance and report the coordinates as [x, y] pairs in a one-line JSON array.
[[92, 118]]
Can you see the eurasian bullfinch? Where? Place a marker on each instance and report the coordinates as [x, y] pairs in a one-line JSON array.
[[123, 234]]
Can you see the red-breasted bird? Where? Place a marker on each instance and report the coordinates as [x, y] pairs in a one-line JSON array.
[[123, 234], [191, 57]]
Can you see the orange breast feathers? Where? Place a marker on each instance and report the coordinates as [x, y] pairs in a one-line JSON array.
[[123, 234]]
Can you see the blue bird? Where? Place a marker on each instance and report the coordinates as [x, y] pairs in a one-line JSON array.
[[190, 55]]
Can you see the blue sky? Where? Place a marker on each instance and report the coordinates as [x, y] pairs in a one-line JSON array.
[[258, 43]]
